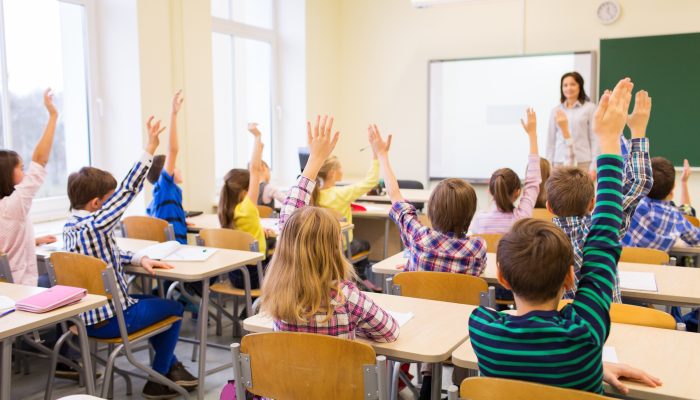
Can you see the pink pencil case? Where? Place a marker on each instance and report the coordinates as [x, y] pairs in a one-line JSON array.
[[51, 299]]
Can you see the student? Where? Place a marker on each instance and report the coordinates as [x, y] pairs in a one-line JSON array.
[[268, 193], [308, 286], [657, 223], [167, 195], [545, 170], [327, 194], [237, 208], [570, 192], [504, 186], [446, 247], [535, 261], [97, 205], [17, 190]]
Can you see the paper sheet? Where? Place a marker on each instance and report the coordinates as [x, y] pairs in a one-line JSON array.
[[271, 223], [6, 303], [400, 317], [638, 281], [190, 254], [609, 354], [373, 208]]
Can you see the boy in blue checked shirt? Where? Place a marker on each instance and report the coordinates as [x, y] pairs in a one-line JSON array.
[[97, 205], [570, 192]]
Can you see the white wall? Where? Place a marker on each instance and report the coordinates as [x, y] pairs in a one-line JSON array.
[[380, 51]]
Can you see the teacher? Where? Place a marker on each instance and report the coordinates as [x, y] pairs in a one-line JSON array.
[[571, 141]]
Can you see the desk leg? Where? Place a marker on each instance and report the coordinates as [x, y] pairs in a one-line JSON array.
[[203, 337], [436, 389], [387, 223], [5, 368], [248, 291], [85, 354]]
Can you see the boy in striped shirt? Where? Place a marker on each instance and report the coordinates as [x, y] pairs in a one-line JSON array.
[[97, 205], [535, 260]]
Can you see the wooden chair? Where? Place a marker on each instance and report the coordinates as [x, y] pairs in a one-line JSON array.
[[147, 228], [72, 269], [693, 220], [440, 286], [491, 239], [265, 211], [481, 388], [277, 365], [644, 256], [233, 240], [636, 315], [543, 214], [5, 270]]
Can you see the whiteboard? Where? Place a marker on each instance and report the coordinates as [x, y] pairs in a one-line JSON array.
[[475, 106]]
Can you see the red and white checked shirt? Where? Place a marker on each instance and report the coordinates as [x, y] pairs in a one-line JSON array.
[[431, 250], [353, 312]]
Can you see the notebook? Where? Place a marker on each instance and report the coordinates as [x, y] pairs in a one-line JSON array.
[[638, 281], [174, 251], [7, 305], [51, 299]]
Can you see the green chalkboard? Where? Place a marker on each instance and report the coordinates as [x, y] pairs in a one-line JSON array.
[[668, 67]]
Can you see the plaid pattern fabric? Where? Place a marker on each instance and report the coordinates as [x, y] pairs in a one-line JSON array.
[[431, 250], [638, 180], [354, 313], [92, 234], [657, 224]]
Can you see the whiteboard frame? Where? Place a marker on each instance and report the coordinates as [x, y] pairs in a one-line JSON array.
[[593, 95]]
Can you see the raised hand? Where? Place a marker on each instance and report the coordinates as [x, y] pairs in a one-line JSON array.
[[562, 122], [154, 131], [686, 171], [253, 128], [611, 115], [150, 265], [48, 103], [177, 102], [321, 143], [530, 125], [379, 146], [638, 120]]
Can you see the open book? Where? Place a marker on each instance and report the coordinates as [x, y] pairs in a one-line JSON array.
[[174, 251]]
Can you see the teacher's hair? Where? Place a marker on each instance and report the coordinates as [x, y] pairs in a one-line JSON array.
[[582, 97]]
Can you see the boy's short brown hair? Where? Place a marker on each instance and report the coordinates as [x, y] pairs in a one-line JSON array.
[[87, 184], [569, 192], [534, 258], [452, 205], [664, 178], [156, 168]]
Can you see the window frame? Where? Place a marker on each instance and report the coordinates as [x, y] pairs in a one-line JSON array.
[[241, 30], [55, 207]]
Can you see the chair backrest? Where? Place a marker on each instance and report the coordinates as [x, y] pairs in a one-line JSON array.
[[644, 256], [231, 239], [636, 315], [409, 184], [146, 228], [265, 211], [5, 270], [73, 269], [441, 286], [482, 388], [543, 214], [282, 369], [491, 239], [693, 220]]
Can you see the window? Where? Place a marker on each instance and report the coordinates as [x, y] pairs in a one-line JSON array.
[[44, 43], [243, 49]]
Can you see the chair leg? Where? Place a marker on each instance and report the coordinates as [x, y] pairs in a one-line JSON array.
[[54, 359], [394, 389], [236, 327], [219, 315], [107, 391], [155, 376], [195, 346]]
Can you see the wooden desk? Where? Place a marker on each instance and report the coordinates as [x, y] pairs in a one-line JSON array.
[[20, 322], [669, 355], [410, 195], [435, 330], [677, 286]]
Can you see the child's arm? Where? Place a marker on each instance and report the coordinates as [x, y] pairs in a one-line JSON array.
[[685, 194], [321, 144], [552, 137], [173, 145], [563, 124], [533, 176], [255, 167], [638, 175], [601, 251], [113, 209], [373, 322], [43, 148]]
